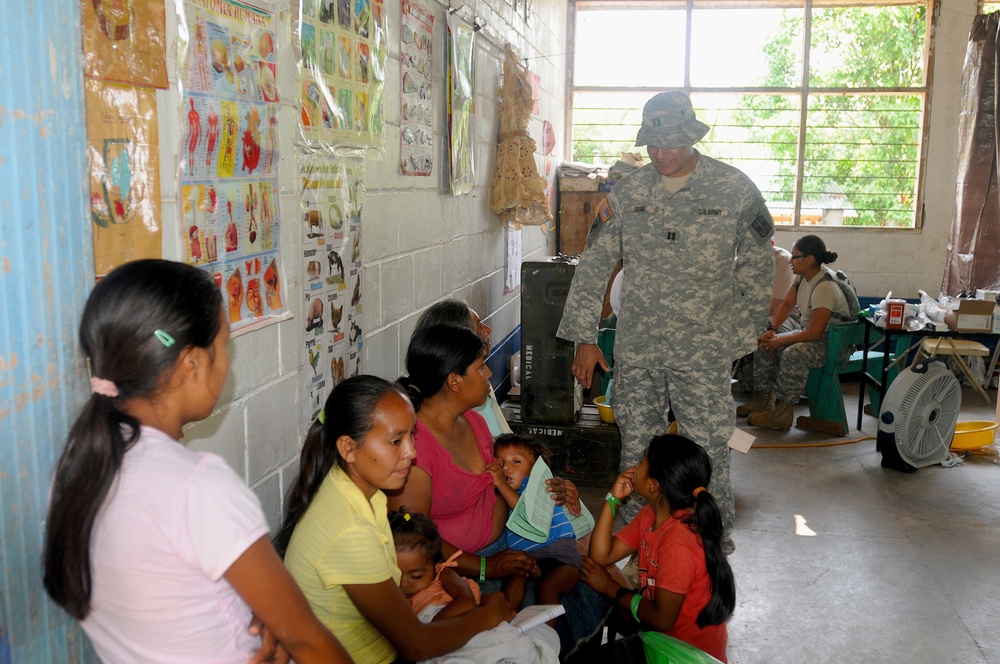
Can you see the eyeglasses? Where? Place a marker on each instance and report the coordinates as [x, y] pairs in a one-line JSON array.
[[797, 256]]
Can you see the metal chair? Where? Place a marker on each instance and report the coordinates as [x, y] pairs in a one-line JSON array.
[[959, 349]]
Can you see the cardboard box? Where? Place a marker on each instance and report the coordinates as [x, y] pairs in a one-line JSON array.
[[972, 316], [583, 183], [990, 295]]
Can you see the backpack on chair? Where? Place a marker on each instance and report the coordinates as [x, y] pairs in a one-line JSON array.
[[846, 287]]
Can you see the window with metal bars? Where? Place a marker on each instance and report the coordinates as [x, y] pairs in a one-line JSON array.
[[821, 102]]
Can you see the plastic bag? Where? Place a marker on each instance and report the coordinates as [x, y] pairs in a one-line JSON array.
[[936, 309], [663, 649]]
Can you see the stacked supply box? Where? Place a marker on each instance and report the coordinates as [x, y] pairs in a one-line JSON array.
[[587, 451], [549, 394]]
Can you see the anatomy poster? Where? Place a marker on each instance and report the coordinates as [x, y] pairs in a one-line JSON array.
[[342, 60], [330, 209], [123, 41], [123, 159], [229, 155], [461, 36], [416, 101]]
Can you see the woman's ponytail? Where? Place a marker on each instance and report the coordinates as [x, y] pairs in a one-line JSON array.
[[315, 462]]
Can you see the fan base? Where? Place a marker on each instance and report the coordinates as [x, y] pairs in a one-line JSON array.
[[886, 444]]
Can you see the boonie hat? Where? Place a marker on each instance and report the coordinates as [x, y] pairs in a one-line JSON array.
[[668, 121]]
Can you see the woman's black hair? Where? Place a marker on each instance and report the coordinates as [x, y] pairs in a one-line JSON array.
[[435, 353], [812, 245], [446, 312], [412, 531], [349, 411], [137, 321], [537, 448], [681, 466]]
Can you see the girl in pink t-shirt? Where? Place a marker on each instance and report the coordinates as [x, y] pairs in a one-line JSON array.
[[162, 552], [686, 587]]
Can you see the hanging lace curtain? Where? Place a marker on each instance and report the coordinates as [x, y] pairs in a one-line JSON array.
[[518, 191], [973, 259]]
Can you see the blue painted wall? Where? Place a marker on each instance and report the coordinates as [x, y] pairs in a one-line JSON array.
[[46, 270]]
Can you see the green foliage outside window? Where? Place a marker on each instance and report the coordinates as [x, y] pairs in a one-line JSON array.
[[863, 125]]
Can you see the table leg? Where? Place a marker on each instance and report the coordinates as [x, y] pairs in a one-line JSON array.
[[863, 387]]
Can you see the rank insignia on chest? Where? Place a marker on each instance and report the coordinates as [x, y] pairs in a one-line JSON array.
[[604, 211], [671, 236]]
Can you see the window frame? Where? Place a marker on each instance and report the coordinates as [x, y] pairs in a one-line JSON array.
[[803, 91]]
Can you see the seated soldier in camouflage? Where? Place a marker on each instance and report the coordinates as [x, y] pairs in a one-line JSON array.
[[782, 361]]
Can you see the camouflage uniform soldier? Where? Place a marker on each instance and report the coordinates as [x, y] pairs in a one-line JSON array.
[[694, 235], [784, 357]]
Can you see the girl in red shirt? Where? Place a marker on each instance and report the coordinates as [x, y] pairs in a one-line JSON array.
[[686, 587]]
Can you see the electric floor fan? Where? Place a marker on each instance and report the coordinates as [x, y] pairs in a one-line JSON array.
[[918, 417]]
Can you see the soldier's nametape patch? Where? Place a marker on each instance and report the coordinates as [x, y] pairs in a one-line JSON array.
[[642, 209], [604, 211], [762, 226]]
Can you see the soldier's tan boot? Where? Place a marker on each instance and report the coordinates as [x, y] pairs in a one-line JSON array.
[[760, 401], [779, 418]]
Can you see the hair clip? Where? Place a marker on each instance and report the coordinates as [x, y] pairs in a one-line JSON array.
[[164, 338], [321, 418], [406, 516]]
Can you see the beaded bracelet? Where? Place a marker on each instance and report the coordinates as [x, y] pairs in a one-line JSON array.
[[482, 569], [635, 606]]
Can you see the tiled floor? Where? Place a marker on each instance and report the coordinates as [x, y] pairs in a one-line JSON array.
[[840, 560]]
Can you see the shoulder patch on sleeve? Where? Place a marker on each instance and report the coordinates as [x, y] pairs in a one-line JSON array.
[[604, 211], [762, 227]]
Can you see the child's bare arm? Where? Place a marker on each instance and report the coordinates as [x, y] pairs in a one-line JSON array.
[[509, 495], [462, 601]]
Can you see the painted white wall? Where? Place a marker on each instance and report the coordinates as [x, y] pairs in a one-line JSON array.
[[905, 261], [420, 243]]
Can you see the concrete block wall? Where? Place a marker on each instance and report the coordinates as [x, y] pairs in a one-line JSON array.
[[419, 243]]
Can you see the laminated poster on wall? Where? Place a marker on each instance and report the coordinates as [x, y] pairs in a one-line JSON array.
[[229, 155], [125, 42], [330, 209], [461, 40], [512, 259], [123, 160], [342, 53], [416, 99]]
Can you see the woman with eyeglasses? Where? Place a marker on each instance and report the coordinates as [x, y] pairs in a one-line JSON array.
[[782, 361]]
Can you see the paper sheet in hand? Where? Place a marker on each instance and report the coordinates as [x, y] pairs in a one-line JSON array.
[[533, 616], [531, 518]]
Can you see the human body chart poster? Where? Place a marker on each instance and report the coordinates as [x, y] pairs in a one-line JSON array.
[[229, 155]]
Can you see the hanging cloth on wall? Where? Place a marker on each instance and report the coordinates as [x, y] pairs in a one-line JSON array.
[[518, 191], [973, 259]]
